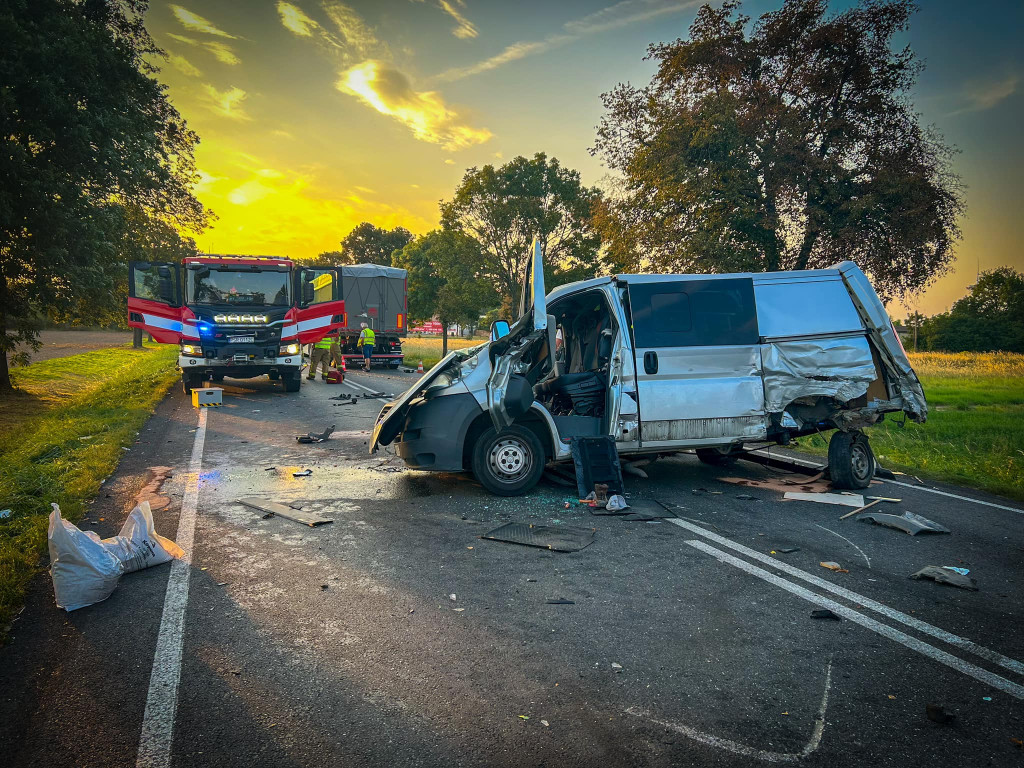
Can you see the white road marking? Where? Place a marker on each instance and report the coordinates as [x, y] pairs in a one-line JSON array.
[[936, 491], [936, 654], [742, 749], [862, 601], [162, 700], [866, 558]]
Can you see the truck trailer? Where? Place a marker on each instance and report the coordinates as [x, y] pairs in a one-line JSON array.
[[235, 316], [375, 295]]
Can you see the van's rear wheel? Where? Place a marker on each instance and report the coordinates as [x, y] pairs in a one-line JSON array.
[[510, 462], [719, 456], [851, 462]]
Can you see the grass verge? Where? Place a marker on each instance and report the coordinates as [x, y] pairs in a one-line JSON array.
[[61, 434], [429, 349], [974, 435]]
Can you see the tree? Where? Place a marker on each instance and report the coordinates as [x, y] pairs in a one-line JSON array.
[[91, 148], [325, 259], [989, 318], [367, 244], [504, 208], [789, 146], [444, 280]]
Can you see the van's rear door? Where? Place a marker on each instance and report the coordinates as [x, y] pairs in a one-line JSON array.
[[697, 360], [155, 299]]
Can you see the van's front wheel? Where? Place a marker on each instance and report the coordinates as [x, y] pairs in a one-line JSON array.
[[510, 462], [851, 462]]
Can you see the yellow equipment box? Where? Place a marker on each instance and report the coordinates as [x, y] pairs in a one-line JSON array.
[[207, 396]]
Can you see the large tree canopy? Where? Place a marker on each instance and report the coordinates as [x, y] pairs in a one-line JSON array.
[[504, 208], [368, 244], [93, 158], [444, 280], [789, 143]]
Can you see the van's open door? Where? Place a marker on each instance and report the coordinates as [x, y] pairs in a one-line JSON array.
[[530, 328], [320, 308], [155, 300]]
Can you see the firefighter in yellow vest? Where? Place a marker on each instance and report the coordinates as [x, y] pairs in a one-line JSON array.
[[321, 354], [367, 338]]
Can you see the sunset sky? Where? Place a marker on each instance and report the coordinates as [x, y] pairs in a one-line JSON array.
[[316, 115]]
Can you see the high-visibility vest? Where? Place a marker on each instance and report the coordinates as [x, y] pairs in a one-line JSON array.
[[324, 343], [368, 336]]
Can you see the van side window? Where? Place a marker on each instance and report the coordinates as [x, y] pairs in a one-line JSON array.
[[693, 313]]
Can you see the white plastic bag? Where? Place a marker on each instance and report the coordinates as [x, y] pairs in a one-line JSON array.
[[616, 503], [84, 571], [138, 545]]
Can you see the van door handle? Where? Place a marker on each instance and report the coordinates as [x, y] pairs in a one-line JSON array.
[[651, 362]]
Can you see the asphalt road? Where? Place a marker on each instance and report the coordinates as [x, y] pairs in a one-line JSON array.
[[687, 643]]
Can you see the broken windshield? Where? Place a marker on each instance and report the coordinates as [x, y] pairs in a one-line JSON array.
[[237, 288]]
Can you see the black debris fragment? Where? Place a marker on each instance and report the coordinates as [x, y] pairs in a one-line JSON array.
[[824, 613], [557, 539], [787, 550], [559, 601], [316, 438], [746, 497], [937, 713]]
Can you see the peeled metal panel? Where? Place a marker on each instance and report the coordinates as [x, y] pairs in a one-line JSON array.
[[805, 307], [838, 368], [729, 428]]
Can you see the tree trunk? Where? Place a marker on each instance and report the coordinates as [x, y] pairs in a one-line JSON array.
[[810, 238], [136, 338], [5, 374]]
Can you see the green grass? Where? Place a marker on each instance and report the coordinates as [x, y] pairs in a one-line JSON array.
[[429, 349], [974, 435], [61, 434]]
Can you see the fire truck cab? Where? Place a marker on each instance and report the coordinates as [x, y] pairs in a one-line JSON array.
[[235, 316]]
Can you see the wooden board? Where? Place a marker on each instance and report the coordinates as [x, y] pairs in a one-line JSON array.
[[280, 510], [853, 500]]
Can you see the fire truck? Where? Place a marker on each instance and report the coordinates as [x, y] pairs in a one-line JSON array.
[[235, 316]]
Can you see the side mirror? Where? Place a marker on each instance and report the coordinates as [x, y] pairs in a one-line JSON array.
[[165, 285], [307, 294], [499, 329]]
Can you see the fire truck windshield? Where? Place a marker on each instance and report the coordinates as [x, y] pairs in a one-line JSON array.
[[238, 288]]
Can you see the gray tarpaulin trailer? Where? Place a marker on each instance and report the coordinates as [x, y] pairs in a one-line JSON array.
[[375, 295]]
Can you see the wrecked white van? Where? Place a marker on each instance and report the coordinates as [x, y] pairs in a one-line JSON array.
[[662, 363]]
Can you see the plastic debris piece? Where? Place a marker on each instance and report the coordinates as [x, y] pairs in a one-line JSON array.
[[908, 522], [787, 550], [833, 566], [961, 571], [4, 513], [937, 713], [616, 665], [986, 698], [524, 717], [616, 503], [559, 601], [269, 469], [545, 723], [945, 576], [452, 596], [824, 613], [458, 610], [303, 473]]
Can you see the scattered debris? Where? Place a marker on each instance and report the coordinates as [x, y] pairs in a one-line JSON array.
[[269, 469], [545, 723], [452, 597], [746, 497], [559, 601], [1019, 743], [524, 717], [274, 508], [787, 550], [937, 713], [908, 522], [945, 576], [324, 587], [562, 539], [824, 613], [883, 498], [303, 473], [267, 516], [846, 500], [860, 509], [4, 513], [616, 666], [616, 503], [597, 463], [833, 566], [961, 571], [316, 438], [412, 610], [458, 610]]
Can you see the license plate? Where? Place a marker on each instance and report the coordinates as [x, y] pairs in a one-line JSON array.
[[242, 339]]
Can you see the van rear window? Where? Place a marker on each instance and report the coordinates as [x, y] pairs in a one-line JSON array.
[[693, 313]]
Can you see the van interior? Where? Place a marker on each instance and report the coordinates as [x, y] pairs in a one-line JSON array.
[[575, 388]]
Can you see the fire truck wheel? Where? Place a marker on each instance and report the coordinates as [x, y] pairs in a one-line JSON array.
[[189, 381], [291, 382]]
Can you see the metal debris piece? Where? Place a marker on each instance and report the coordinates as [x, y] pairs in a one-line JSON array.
[[824, 613], [832, 566], [908, 522], [303, 473], [316, 438], [945, 576], [342, 396], [560, 539], [846, 500], [274, 508]]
